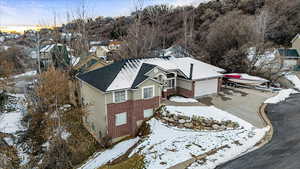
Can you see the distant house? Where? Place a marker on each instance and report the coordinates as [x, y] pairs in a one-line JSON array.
[[99, 51], [90, 63], [114, 45], [290, 58], [54, 55], [123, 94]]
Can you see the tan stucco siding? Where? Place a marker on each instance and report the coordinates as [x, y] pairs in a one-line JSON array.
[[137, 94], [296, 44], [185, 84], [96, 107]]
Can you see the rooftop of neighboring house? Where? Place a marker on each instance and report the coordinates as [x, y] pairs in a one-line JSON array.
[[288, 52], [115, 43], [48, 48], [90, 63], [129, 73]]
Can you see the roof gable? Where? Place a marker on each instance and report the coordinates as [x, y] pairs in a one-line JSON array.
[[141, 75], [101, 78]]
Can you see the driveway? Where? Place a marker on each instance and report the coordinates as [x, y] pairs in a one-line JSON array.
[[243, 103], [283, 152]]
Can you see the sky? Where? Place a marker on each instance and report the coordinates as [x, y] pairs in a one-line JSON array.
[[42, 12]]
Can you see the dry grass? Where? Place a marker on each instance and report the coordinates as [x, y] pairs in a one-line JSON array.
[[134, 162], [81, 143]]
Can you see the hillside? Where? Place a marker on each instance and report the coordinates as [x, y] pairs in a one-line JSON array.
[[219, 32]]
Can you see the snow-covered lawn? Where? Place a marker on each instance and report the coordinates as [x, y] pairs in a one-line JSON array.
[[102, 158], [167, 146], [294, 79], [182, 99], [281, 96]]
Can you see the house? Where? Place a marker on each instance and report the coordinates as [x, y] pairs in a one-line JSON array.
[[290, 58], [99, 51], [114, 45], [89, 63], [54, 54], [296, 42], [121, 95]]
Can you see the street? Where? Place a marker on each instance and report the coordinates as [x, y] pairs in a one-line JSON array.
[[283, 152]]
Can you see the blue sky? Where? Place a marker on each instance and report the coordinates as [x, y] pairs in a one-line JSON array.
[[29, 12]]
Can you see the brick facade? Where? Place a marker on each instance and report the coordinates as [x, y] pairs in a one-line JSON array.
[[135, 112], [180, 91]]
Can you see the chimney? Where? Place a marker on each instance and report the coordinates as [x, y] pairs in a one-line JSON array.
[[191, 70]]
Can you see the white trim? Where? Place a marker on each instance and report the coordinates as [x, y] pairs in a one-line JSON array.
[[114, 97], [295, 38], [153, 91], [126, 121]]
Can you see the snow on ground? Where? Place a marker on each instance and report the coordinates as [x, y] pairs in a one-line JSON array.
[[294, 79], [108, 155], [281, 96], [167, 146], [209, 112], [182, 99], [30, 73], [65, 134], [10, 123]]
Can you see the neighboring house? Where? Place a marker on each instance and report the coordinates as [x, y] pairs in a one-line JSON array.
[[290, 58], [90, 63], [54, 55], [114, 45], [99, 51], [296, 43], [123, 94]]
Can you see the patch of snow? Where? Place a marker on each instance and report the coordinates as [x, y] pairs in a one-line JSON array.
[[209, 112], [182, 99], [109, 155], [11, 122], [281, 96], [9, 141], [46, 145], [294, 79], [167, 146], [29, 73], [235, 151], [65, 134]]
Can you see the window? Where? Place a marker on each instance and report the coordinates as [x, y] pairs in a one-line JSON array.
[[120, 96], [148, 113], [121, 118], [148, 92], [171, 83]]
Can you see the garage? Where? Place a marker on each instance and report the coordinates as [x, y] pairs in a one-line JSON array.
[[206, 87]]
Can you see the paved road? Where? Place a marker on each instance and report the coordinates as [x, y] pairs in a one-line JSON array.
[[283, 152]]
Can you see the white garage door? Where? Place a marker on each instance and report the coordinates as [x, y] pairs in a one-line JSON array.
[[206, 87]]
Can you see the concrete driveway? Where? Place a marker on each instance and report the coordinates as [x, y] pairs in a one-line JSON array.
[[243, 103], [283, 152]]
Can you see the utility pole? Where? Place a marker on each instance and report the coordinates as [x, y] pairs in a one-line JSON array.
[[38, 51]]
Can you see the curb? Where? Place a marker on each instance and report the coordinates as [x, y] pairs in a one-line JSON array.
[[268, 136]]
